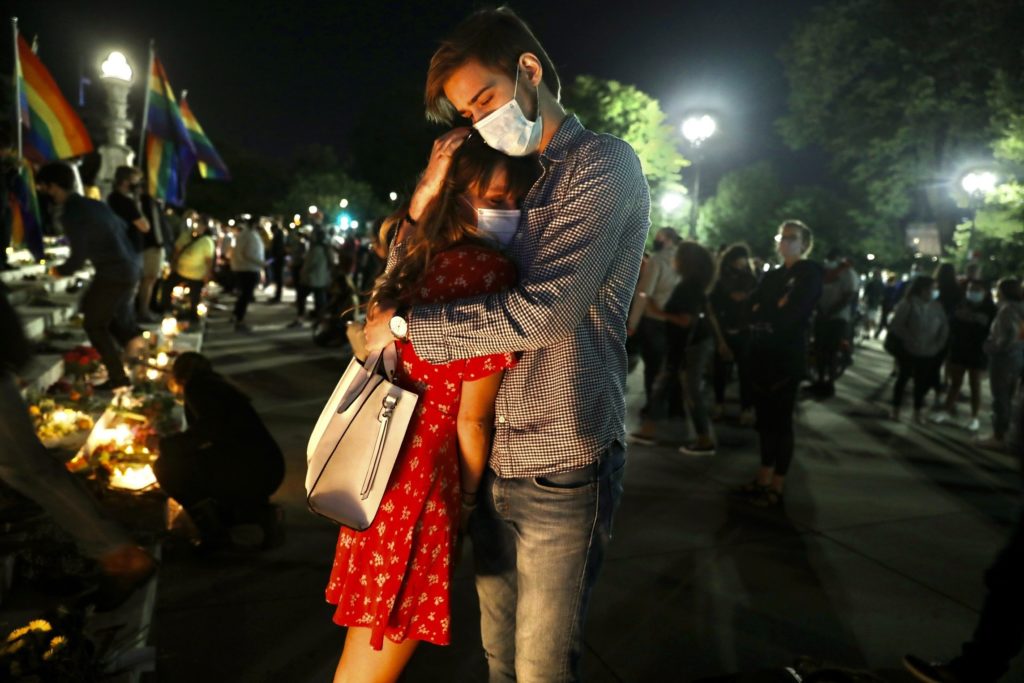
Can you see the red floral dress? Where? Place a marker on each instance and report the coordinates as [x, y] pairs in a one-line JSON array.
[[394, 577]]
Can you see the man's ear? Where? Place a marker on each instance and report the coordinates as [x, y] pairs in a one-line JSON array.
[[531, 66]]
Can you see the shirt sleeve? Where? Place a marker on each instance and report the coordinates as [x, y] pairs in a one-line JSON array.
[[583, 235], [77, 241]]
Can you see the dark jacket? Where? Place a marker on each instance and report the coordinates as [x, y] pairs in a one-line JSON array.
[[96, 234]]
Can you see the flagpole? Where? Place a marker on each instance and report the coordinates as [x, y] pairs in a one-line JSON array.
[[145, 101], [17, 86]]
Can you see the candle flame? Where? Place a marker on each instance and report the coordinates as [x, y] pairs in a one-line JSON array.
[[132, 477]]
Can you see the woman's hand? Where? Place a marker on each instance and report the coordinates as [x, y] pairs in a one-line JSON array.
[[433, 178], [378, 327]]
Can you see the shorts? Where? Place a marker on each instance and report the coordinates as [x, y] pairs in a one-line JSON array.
[[152, 262]]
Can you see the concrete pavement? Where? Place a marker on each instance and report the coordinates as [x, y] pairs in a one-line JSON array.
[[880, 550]]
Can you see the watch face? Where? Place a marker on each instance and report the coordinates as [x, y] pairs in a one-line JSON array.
[[399, 327]]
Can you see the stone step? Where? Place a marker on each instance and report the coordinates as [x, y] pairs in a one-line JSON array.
[[41, 372]]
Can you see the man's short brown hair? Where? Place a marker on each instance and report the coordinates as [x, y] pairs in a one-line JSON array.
[[494, 37], [126, 173], [806, 236]]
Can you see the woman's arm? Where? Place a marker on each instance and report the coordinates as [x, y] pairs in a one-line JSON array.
[[678, 319], [474, 427]]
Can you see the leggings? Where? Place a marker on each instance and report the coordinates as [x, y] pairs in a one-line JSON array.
[[774, 402], [739, 344], [925, 372]]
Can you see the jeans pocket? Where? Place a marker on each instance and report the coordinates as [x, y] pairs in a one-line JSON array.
[[578, 480]]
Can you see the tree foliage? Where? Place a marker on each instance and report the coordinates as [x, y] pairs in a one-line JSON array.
[[628, 113], [744, 208], [900, 94], [320, 180]]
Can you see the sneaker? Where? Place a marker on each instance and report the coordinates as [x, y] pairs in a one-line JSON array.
[[293, 324], [766, 498], [940, 417], [973, 425], [696, 449], [242, 327], [930, 672], [642, 439], [747, 418]]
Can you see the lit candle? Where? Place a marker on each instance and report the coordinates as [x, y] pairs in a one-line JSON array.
[[152, 374], [132, 478], [169, 326], [201, 309], [161, 360]]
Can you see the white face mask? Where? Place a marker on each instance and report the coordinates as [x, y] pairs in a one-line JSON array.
[[507, 130], [499, 224]]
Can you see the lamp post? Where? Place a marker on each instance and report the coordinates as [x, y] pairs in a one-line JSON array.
[[977, 185], [116, 76], [696, 130]]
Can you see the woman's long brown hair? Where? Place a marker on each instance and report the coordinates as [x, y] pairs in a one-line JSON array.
[[450, 220]]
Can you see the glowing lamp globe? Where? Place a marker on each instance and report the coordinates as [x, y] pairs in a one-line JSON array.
[[697, 129], [979, 182], [671, 201], [116, 66]]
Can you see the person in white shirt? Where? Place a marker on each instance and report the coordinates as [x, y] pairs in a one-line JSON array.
[[247, 262]]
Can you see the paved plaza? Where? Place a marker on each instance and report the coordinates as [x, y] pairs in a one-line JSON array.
[[880, 549]]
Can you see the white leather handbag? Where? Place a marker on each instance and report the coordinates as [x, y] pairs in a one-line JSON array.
[[356, 441]]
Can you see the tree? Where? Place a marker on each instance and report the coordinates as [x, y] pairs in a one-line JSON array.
[[899, 95], [626, 112], [744, 208], [319, 179]]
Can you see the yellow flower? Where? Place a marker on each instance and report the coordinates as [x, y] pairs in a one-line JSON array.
[[55, 644]]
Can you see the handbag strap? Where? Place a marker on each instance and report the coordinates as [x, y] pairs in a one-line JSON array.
[[389, 356]]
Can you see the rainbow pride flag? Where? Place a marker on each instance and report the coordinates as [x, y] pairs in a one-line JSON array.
[[211, 166], [170, 154], [26, 220], [52, 129]]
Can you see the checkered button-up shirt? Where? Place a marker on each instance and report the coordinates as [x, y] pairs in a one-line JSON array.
[[578, 248]]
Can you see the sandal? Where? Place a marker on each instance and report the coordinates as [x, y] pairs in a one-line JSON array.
[[767, 498]]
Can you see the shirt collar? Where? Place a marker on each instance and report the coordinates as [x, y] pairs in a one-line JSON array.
[[564, 139]]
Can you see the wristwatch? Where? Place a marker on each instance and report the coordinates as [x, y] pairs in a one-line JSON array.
[[400, 324]]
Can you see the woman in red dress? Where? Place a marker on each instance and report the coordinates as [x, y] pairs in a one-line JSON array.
[[391, 582]]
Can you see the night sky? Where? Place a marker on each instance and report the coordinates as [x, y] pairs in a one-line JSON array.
[[274, 75]]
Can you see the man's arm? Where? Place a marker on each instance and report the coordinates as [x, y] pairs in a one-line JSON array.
[[555, 290], [141, 224], [76, 239]]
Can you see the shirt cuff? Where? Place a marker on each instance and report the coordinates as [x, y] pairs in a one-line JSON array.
[[427, 334]]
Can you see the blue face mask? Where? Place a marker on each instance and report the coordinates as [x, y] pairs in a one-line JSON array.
[[975, 297], [935, 295], [499, 224]]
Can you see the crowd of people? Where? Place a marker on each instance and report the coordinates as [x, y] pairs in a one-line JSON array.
[[694, 318]]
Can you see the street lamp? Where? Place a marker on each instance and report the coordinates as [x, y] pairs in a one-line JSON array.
[[343, 203], [312, 209], [393, 196], [977, 185], [116, 76], [696, 130], [670, 201]]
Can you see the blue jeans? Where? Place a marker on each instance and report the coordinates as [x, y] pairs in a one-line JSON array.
[[27, 468], [538, 544]]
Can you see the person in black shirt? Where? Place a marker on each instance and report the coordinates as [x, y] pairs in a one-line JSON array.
[[689, 347], [226, 464], [277, 258], [125, 204], [153, 254], [735, 282], [98, 235], [781, 309]]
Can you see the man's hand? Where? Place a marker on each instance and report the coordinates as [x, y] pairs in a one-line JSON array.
[[378, 327], [432, 182]]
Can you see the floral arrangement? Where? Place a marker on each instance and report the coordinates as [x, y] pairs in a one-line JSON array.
[[123, 444], [50, 649], [81, 361], [56, 425], [82, 394]]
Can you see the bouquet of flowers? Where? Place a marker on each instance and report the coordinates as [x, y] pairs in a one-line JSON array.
[[81, 361], [57, 426], [51, 649]]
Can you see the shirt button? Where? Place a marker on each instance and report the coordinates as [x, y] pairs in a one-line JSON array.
[[501, 419]]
